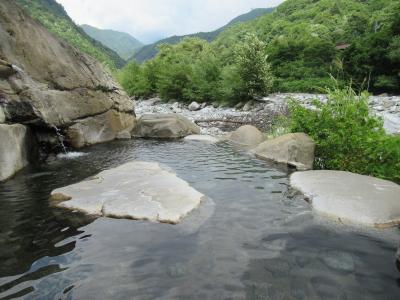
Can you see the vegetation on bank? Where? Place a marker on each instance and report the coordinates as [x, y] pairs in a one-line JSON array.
[[347, 137], [192, 71], [53, 16], [306, 42]]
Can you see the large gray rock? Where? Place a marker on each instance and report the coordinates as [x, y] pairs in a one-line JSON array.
[[294, 149], [45, 82], [351, 197], [101, 128], [14, 149], [246, 136], [135, 190], [164, 126]]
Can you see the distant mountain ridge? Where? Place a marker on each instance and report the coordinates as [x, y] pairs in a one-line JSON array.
[[122, 43], [53, 16], [149, 51]]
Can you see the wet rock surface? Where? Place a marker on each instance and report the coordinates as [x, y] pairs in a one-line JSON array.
[[351, 198], [294, 149], [135, 190]]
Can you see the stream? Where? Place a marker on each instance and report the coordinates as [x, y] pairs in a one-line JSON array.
[[252, 239]]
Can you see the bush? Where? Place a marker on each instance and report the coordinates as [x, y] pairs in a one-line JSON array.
[[348, 138]]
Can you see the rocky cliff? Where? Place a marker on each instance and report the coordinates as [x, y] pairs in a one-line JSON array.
[[47, 85]]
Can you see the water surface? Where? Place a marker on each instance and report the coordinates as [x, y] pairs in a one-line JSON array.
[[251, 240]]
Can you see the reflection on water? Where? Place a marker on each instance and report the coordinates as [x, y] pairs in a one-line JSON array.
[[252, 240]]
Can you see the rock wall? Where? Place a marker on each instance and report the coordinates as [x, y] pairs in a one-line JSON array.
[[47, 84]]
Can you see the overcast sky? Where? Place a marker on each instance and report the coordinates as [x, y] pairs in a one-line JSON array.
[[150, 20]]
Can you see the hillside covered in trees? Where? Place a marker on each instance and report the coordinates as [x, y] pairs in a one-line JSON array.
[[296, 48], [53, 16], [122, 43], [150, 51]]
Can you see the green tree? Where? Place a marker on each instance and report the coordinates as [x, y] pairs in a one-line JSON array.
[[347, 137], [253, 67]]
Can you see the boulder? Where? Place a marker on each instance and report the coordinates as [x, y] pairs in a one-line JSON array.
[[164, 126], [351, 197], [55, 85], [201, 138], [246, 136], [99, 129], [135, 190], [294, 149], [194, 106], [14, 149]]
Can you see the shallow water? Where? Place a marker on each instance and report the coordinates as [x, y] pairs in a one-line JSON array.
[[250, 240]]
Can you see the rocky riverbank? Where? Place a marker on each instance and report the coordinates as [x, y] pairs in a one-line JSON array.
[[217, 120]]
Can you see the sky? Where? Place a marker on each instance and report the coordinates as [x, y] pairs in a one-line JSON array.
[[151, 20]]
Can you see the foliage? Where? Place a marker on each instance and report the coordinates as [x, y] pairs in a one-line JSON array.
[[53, 16], [253, 67], [301, 39], [348, 138], [150, 51], [191, 71], [302, 35], [122, 43]]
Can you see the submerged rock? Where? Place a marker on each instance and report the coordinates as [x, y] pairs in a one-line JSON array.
[[14, 149], [202, 138], [246, 136], [351, 197], [135, 190], [164, 126], [294, 149]]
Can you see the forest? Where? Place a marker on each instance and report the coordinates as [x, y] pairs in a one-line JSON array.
[[299, 47]]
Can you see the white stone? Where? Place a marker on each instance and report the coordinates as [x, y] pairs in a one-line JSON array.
[[351, 197], [391, 123], [194, 106], [202, 138], [135, 190]]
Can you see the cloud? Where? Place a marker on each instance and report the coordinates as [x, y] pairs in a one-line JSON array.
[[150, 20]]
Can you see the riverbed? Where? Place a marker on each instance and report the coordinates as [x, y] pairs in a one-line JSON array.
[[253, 238]]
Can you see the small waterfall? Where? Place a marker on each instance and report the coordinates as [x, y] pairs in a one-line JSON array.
[[60, 139]]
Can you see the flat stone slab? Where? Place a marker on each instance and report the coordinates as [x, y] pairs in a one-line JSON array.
[[201, 138], [351, 197], [136, 190]]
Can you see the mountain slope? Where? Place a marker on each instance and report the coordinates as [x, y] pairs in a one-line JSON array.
[[150, 51], [122, 43], [53, 16], [308, 41]]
